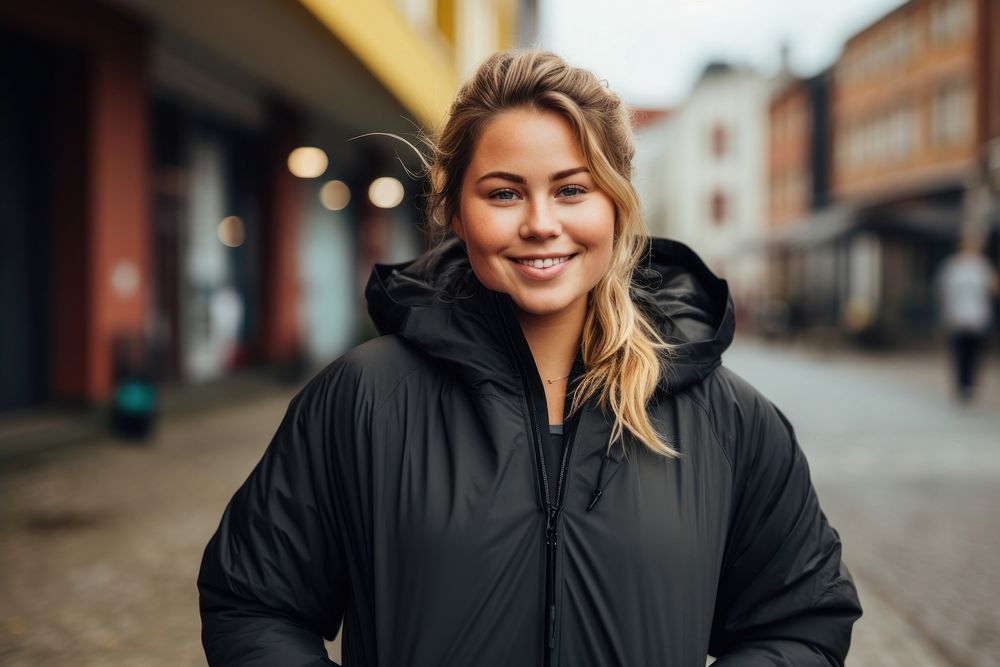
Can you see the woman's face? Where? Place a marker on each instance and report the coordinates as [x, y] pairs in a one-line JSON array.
[[535, 223]]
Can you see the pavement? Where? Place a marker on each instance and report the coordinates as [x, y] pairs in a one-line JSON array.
[[908, 476], [33, 436], [99, 550], [100, 545]]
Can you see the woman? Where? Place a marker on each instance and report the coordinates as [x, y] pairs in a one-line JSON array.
[[542, 461]]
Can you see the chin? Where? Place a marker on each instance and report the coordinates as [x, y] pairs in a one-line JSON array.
[[541, 307]]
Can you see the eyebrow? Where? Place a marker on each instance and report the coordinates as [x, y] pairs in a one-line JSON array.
[[507, 176]]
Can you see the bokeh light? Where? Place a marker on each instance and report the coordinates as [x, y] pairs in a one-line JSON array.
[[307, 162], [231, 231], [125, 278], [335, 195], [386, 192]]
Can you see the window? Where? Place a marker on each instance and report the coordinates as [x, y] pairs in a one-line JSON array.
[[719, 140], [841, 153], [856, 148], [901, 42], [950, 113], [717, 207], [950, 20], [880, 137], [905, 131]]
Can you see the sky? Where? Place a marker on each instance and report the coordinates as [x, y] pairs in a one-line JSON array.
[[651, 51]]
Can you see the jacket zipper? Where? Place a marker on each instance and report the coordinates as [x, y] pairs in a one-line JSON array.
[[552, 510]]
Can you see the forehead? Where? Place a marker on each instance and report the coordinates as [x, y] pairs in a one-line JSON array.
[[527, 141]]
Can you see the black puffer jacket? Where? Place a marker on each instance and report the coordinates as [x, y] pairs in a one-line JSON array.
[[404, 494]]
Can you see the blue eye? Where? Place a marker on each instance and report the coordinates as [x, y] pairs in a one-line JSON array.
[[503, 195], [572, 191]]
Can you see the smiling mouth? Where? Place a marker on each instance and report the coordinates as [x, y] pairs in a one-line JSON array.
[[543, 263]]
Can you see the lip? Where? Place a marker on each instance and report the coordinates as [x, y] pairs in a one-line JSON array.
[[551, 255], [546, 273]]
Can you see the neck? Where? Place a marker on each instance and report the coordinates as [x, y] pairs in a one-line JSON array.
[[554, 339]]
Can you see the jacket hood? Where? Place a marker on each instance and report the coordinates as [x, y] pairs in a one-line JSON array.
[[437, 304]]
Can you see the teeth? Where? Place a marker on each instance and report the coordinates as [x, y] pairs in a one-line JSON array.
[[543, 263]]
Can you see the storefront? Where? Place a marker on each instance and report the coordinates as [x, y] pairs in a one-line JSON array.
[[152, 213]]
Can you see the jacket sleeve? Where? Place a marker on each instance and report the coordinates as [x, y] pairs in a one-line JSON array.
[[785, 597], [272, 581]]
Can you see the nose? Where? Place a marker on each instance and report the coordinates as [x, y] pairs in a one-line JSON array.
[[541, 222]]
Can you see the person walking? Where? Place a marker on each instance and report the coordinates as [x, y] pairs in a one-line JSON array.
[[967, 285], [542, 459]]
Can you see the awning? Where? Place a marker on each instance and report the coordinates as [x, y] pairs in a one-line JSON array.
[[917, 219], [420, 76], [920, 219], [357, 64], [817, 228]]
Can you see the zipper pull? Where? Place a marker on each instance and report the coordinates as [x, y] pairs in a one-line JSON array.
[[594, 497], [551, 532], [598, 490]]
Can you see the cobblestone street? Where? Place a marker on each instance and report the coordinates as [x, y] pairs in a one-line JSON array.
[[99, 547], [909, 479]]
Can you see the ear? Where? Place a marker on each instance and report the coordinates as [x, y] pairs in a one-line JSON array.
[[458, 228]]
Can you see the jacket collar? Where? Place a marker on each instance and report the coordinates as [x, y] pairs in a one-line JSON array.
[[437, 304]]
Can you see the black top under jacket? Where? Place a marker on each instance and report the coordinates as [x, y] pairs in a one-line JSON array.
[[407, 494]]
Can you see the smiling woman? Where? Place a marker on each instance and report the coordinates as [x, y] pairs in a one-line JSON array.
[[542, 460], [574, 140], [537, 228]]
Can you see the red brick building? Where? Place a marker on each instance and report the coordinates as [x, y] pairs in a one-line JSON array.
[[988, 114], [908, 105], [789, 160], [905, 102]]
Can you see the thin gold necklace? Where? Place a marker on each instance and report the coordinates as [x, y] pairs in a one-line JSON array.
[[554, 380]]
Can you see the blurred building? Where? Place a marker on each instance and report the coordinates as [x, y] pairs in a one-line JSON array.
[[988, 113], [653, 136], [798, 155], [905, 107], [904, 102], [906, 153], [147, 190], [701, 175], [801, 270]]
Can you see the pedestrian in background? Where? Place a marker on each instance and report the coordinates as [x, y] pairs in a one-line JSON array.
[[542, 460], [967, 285]]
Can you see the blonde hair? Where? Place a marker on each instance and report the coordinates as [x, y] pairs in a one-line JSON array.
[[621, 348]]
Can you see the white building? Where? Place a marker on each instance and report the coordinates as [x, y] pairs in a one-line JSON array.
[[702, 175]]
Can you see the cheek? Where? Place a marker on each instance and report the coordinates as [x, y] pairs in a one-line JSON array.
[[487, 230], [598, 229], [483, 242], [601, 263]]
